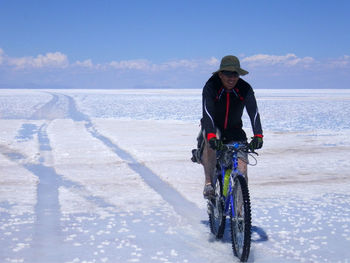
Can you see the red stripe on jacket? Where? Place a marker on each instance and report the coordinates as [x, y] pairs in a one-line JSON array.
[[227, 108]]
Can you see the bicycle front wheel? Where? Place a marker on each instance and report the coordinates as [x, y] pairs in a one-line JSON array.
[[240, 219]]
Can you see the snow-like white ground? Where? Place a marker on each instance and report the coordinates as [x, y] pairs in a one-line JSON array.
[[106, 176]]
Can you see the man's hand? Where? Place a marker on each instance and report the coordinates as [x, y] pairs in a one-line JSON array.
[[215, 144], [256, 142]]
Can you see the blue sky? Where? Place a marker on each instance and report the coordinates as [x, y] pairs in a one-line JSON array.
[[172, 44]]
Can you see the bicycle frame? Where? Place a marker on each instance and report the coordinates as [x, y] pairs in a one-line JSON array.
[[235, 172]]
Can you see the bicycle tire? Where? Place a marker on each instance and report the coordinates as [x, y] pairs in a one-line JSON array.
[[217, 218], [240, 222]]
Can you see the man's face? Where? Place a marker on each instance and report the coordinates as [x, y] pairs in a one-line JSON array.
[[229, 79]]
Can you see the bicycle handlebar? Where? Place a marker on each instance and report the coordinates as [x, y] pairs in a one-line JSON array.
[[225, 154], [239, 147]]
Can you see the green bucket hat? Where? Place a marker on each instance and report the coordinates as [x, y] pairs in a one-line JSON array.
[[231, 63]]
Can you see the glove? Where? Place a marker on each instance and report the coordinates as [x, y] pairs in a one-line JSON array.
[[256, 142], [216, 144]]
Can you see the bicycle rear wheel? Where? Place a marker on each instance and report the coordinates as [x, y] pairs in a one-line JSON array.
[[217, 218], [240, 219]]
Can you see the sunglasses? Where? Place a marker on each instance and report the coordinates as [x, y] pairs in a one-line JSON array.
[[230, 74]]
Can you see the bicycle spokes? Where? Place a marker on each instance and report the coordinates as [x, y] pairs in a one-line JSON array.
[[216, 213], [240, 219]]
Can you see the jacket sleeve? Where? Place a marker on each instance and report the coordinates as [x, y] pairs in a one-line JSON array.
[[253, 112], [208, 110]]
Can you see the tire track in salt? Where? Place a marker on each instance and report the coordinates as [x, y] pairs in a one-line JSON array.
[[181, 205], [47, 235], [186, 209], [52, 110]]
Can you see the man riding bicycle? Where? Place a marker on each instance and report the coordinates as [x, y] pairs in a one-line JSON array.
[[224, 97]]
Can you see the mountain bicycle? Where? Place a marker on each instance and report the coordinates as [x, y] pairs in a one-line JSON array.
[[231, 199]]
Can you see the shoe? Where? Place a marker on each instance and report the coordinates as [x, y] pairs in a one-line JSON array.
[[196, 156], [208, 191]]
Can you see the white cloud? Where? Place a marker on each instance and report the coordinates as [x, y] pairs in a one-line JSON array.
[[187, 64], [56, 60], [341, 62], [192, 64], [212, 61], [2, 56], [183, 63], [140, 64], [85, 64], [146, 65], [263, 61], [271, 60]]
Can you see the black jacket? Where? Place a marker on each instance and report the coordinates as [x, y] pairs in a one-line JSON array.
[[223, 109]]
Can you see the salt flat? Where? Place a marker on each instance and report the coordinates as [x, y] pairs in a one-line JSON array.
[[106, 176]]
